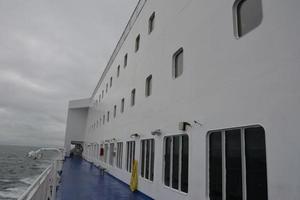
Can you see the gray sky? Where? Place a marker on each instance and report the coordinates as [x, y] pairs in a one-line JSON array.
[[52, 51]]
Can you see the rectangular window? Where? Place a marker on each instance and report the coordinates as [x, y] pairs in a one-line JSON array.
[[119, 154], [106, 153], [137, 43], [125, 60], [118, 71], [130, 155], [237, 164], [115, 111], [103, 119], [111, 82], [248, 15], [122, 105], [177, 63], [147, 159], [108, 116], [176, 165], [106, 87], [151, 23], [148, 87], [133, 97], [102, 94], [111, 154]]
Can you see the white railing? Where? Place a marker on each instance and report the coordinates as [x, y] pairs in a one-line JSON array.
[[44, 187]]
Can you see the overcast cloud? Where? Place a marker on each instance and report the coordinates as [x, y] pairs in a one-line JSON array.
[[52, 51]]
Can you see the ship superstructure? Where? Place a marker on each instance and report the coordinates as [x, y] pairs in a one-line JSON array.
[[205, 96]]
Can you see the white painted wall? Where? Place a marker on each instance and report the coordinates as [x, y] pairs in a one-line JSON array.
[[225, 83], [76, 122]]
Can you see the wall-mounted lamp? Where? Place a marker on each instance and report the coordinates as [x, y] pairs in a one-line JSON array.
[[183, 126], [135, 136], [156, 132], [113, 140]]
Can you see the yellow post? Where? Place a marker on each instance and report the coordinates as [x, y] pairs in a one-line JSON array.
[[134, 176]]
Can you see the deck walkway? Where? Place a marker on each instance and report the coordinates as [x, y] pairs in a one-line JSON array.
[[82, 181]]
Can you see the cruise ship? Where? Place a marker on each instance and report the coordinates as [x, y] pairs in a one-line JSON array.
[[200, 100]]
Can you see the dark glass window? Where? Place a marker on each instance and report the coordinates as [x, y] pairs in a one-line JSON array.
[[108, 116], [256, 165], [215, 166], [115, 111], [244, 154], [167, 160], [233, 165], [133, 97], [176, 162], [137, 43], [122, 105], [178, 63], [119, 154], [151, 23], [125, 60], [111, 82], [148, 88], [248, 16], [130, 155], [147, 158]]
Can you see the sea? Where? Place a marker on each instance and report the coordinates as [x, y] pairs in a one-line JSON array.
[[17, 171]]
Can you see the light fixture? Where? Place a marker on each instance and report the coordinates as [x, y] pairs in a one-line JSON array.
[[156, 132], [183, 126], [135, 135]]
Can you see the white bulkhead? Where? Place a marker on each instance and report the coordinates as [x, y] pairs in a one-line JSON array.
[[192, 71]]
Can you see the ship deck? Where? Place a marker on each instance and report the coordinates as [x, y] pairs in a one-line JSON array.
[[81, 180]]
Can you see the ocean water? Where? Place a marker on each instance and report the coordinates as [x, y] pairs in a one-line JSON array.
[[17, 171]]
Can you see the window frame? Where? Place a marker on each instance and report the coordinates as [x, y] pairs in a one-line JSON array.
[[179, 164], [148, 86], [120, 149], [130, 154], [137, 43], [175, 65], [151, 23], [125, 60], [122, 105], [133, 95], [143, 158], [243, 158]]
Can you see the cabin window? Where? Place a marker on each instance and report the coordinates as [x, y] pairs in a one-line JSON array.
[[106, 153], [151, 23], [237, 164], [102, 94], [177, 63], [137, 43], [106, 87], [147, 159], [108, 116], [103, 119], [148, 87], [119, 154], [112, 154], [133, 97], [176, 162], [118, 71], [122, 105], [248, 15], [130, 155], [111, 82], [125, 60], [115, 111]]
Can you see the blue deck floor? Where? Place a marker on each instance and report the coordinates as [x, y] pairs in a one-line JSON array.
[[82, 181]]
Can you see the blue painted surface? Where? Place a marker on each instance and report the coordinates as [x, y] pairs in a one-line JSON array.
[[82, 181]]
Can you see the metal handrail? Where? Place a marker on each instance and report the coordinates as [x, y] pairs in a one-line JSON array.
[[36, 183]]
